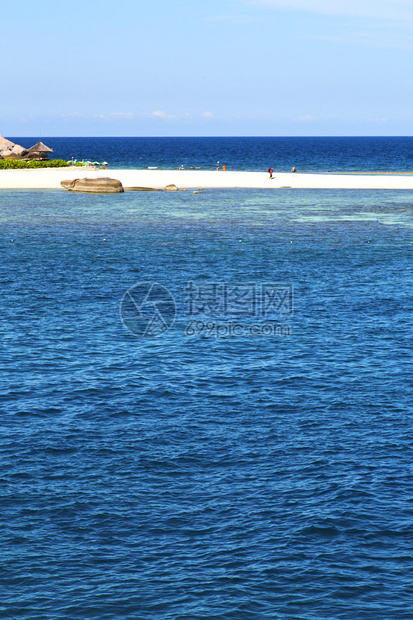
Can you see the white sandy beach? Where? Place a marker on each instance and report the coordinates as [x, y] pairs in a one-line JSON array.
[[50, 178]]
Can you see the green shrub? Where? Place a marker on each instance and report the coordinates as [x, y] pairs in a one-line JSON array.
[[58, 163], [15, 164]]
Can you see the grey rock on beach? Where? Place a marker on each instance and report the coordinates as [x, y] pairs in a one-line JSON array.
[[9, 150], [100, 185]]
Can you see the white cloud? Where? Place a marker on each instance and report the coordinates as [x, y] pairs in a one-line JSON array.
[[370, 37], [122, 114], [70, 114], [182, 116], [161, 114], [110, 115], [26, 119], [307, 118], [236, 20], [400, 10]]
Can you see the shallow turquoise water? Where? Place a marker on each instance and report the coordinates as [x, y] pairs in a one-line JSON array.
[[206, 476]]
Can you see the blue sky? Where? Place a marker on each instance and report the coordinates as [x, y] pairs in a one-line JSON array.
[[228, 67]]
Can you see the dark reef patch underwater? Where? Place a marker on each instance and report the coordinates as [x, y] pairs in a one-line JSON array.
[[207, 476]]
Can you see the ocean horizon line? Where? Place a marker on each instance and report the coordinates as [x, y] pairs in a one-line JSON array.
[[223, 137]]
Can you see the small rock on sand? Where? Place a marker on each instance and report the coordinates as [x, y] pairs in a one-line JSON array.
[[141, 189]]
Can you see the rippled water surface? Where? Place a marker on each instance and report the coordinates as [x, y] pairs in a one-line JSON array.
[[206, 476], [335, 154]]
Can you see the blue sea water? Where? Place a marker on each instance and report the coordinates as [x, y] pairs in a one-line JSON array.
[[307, 154], [199, 474]]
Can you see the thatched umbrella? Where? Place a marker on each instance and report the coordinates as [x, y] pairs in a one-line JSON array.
[[39, 151]]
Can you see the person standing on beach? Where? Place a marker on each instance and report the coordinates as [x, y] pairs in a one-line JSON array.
[[293, 170], [217, 165], [270, 170]]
